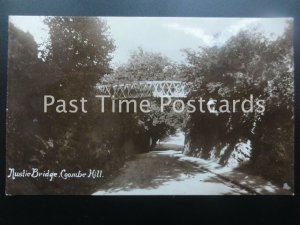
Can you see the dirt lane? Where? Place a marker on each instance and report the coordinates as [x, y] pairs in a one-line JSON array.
[[157, 173], [166, 171]]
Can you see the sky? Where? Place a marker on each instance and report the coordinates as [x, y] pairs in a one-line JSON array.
[[167, 35]]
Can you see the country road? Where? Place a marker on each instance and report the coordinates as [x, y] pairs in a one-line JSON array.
[[166, 171]]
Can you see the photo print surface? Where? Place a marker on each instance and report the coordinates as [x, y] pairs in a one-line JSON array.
[[150, 106]]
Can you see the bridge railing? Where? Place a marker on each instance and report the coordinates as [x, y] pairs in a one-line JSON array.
[[144, 89]]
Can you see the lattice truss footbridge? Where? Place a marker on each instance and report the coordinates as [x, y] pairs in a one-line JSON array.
[[145, 89]]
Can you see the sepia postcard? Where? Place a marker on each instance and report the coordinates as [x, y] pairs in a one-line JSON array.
[[150, 106]]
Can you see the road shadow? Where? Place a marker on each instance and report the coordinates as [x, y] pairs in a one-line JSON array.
[[167, 146], [149, 171]]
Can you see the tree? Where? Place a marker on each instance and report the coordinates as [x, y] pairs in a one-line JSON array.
[[274, 135], [143, 66], [27, 77], [22, 56], [160, 124], [248, 63], [79, 44], [81, 47], [52, 140], [149, 66]]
